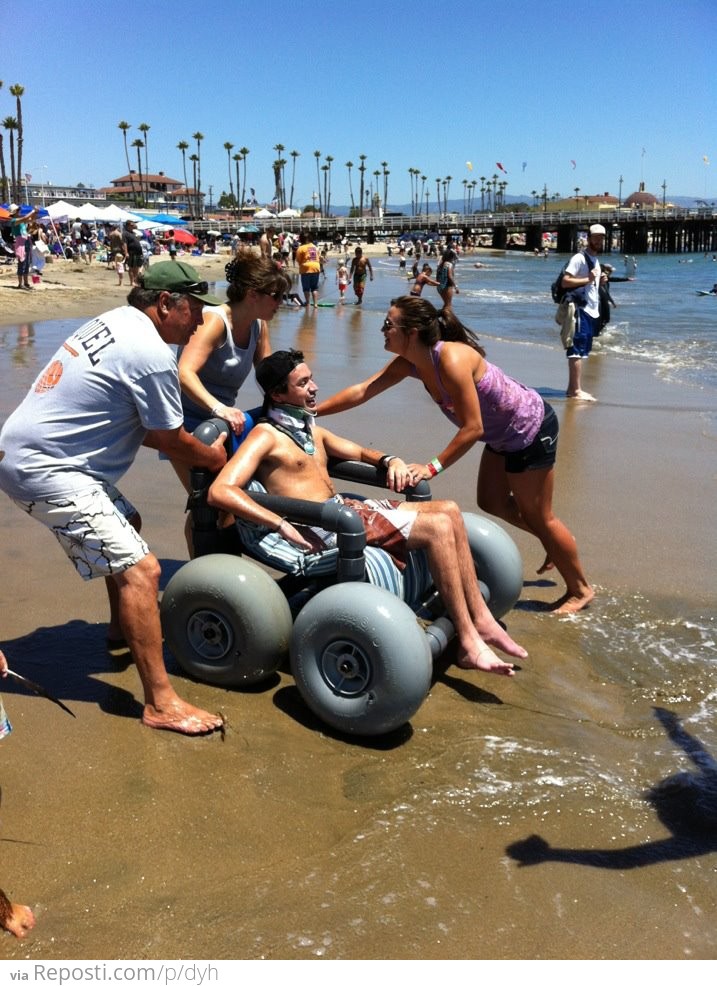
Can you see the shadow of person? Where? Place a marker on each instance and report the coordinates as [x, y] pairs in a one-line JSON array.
[[67, 659], [686, 804]]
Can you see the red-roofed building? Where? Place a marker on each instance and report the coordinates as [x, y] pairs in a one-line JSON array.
[[157, 189]]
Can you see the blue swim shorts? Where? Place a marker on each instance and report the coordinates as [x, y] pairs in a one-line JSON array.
[[586, 326]]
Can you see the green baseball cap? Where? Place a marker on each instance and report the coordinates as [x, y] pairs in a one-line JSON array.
[[173, 275]]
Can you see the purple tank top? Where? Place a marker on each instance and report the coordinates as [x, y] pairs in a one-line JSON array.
[[512, 413]]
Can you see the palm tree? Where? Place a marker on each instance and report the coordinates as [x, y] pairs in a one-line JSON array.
[[411, 172], [17, 91], [349, 166], [236, 158], [276, 168], [139, 144], [124, 127], [329, 159], [280, 190], [194, 158], [325, 169], [3, 175], [482, 193], [144, 127], [183, 146], [473, 194], [317, 155], [420, 200], [362, 169], [377, 197], [446, 189], [228, 148], [438, 193], [244, 151], [293, 155], [199, 137], [577, 200], [495, 185], [384, 172], [10, 124]]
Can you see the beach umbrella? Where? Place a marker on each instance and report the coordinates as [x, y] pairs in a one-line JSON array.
[[167, 220], [214, 232], [183, 236]]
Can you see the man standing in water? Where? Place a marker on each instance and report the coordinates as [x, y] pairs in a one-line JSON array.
[[360, 265], [583, 272], [110, 388]]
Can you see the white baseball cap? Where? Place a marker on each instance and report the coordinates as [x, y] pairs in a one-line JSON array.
[[597, 230]]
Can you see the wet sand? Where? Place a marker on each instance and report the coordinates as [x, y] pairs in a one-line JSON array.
[[286, 841]]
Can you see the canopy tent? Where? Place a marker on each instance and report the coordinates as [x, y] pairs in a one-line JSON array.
[[90, 213], [60, 210], [288, 214], [167, 220], [264, 214]]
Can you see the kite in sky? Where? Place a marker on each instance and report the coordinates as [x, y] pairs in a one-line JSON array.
[[469, 165], [574, 165], [499, 165]]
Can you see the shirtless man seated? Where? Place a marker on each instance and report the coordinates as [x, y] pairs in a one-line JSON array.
[[288, 454]]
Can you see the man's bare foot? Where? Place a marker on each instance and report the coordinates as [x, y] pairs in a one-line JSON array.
[[493, 633], [581, 395], [570, 603], [483, 660], [181, 717], [21, 920], [547, 566]]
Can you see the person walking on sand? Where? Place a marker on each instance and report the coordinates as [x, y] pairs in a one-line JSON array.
[[289, 456], [111, 387], [15, 918], [360, 267], [516, 476], [583, 275], [342, 279]]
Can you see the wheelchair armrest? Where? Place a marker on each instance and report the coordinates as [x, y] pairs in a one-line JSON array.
[[332, 516], [368, 475]]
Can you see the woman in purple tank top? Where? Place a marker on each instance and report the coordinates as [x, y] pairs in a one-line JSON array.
[[520, 431]]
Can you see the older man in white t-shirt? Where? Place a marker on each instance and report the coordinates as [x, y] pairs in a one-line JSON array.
[[110, 388]]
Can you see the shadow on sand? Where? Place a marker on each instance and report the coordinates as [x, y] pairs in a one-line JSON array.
[[686, 804]]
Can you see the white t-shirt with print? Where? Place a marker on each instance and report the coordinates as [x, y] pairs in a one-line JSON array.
[[87, 413]]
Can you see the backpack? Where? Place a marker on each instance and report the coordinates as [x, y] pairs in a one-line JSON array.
[[557, 290]]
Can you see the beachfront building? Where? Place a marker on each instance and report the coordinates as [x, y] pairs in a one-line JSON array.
[[46, 194], [153, 190]]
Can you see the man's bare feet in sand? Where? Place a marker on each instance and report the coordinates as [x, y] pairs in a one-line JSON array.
[[581, 395], [492, 633], [484, 660], [572, 604], [16, 918], [181, 717]]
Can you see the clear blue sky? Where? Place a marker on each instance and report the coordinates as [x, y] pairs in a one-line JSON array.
[[618, 87]]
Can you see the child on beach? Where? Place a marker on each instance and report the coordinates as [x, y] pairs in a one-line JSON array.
[[15, 918], [119, 267], [342, 279]]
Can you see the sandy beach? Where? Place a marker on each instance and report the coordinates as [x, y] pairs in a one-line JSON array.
[[286, 841]]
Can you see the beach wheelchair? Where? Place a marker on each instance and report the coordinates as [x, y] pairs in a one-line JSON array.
[[361, 636]]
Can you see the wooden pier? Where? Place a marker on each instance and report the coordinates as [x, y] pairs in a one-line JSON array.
[[630, 231]]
